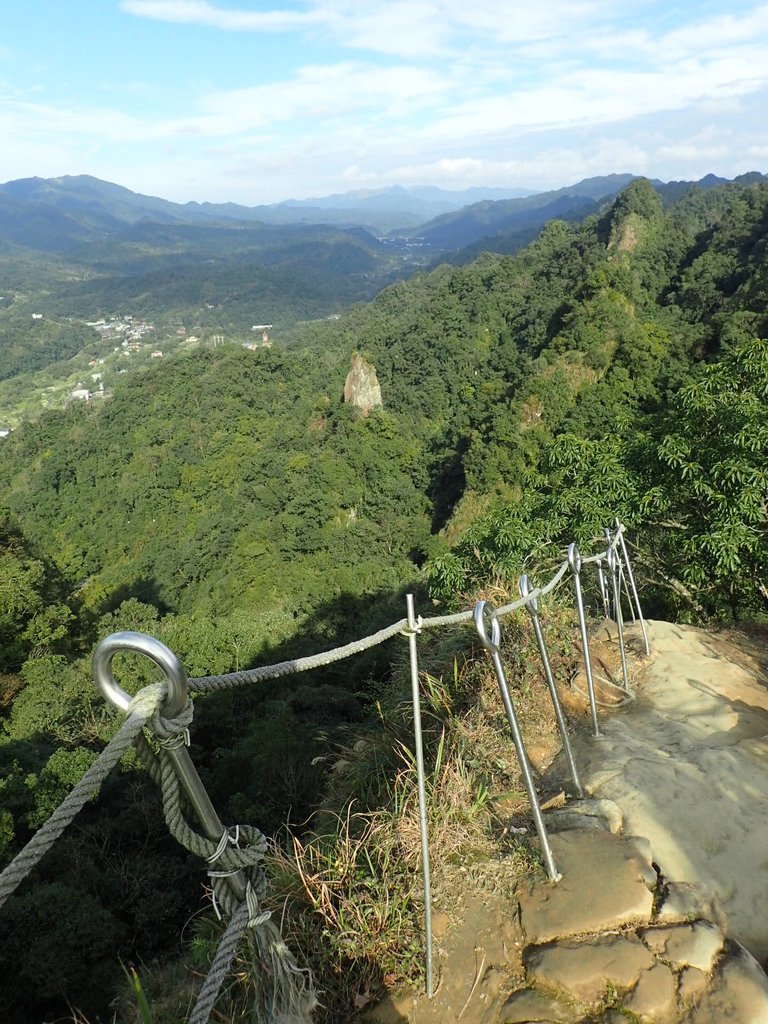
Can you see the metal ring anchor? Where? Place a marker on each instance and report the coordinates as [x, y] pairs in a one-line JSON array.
[[492, 643], [574, 558], [153, 649], [175, 700]]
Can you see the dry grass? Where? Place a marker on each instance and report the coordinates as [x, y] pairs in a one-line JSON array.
[[348, 887], [352, 886]]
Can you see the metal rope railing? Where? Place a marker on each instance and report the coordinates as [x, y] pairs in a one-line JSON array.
[[238, 884]]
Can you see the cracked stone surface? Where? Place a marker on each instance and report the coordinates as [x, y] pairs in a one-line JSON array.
[[584, 969], [686, 945], [654, 995], [527, 1006], [691, 983], [687, 901], [586, 813], [603, 886], [686, 763], [738, 994]]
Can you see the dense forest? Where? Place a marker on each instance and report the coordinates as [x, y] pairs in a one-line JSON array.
[[77, 249], [232, 504]]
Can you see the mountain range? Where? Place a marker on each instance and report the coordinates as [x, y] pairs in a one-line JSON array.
[[75, 248], [57, 215], [379, 210]]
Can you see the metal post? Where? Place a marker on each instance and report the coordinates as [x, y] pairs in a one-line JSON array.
[[613, 540], [174, 672], [533, 610], [603, 591], [493, 644], [414, 656], [625, 586], [574, 560], [631, 575], [614, 570]]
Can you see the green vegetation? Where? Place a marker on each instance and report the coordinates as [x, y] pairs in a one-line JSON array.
[[230, 503]]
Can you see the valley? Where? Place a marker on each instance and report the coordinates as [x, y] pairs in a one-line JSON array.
[[225, 498]]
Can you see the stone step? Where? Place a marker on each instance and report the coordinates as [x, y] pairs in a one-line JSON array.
[[611, 941], [607, 883]]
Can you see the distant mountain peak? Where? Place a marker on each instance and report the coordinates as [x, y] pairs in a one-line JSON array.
[[77, 207]]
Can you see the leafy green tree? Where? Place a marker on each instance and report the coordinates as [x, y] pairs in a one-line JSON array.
[[716, 487]]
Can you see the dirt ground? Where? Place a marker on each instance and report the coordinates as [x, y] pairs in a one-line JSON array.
[[687, 762]]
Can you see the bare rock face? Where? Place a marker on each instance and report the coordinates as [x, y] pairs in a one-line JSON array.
[[361, 388], [585, 968], [610, 868]]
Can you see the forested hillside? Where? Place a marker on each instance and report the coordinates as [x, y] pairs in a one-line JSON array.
[[232, 504], [108, 205], [490, 221]]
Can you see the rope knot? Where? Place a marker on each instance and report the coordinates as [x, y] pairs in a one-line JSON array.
[[173, 732], [230, 856], [415, 629], [233, 859], [256, 916]]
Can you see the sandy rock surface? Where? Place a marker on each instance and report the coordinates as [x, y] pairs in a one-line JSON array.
[[661, 914], [687, 763]]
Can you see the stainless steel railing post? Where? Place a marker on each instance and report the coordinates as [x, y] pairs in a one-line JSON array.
[[613, 568], [574, 559], [532, 605], [631, 575], [413, 629], [492, 644]]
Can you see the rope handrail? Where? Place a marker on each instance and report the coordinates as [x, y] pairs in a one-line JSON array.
[[206, 684], [140, 711], [146, 707], [149, 699]]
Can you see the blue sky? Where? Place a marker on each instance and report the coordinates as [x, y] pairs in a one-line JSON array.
[[253, 102]]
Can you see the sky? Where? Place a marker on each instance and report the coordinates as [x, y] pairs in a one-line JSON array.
[[254, 102]]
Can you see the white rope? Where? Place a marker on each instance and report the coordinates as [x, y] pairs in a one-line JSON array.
[[205, 684], [220, 967], [147, 702], [140, 710]]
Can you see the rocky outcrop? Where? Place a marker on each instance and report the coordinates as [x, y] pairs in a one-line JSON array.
[[659, 914], [582, 967], [361, 388]]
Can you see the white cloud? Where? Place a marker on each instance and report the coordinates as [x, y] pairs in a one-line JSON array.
[[200, 12], [510, 67], [692, 150], [549, 167], [324, 93], [606, 29], [714, 34], [580, 96], [421, 90], [355, 175]]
